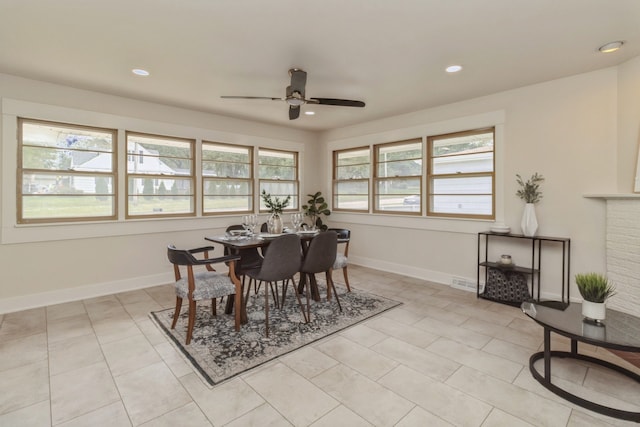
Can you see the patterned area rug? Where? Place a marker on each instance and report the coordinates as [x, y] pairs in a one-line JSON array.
[[218, 353]]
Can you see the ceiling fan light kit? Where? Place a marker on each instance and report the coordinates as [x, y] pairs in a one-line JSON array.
[[295, 96]]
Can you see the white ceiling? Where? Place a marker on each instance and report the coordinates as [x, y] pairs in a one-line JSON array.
[[389, 53]]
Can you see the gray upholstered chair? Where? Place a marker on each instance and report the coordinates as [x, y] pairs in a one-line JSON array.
[[320, 258], [281, 263], [204, 284], [342, 259]]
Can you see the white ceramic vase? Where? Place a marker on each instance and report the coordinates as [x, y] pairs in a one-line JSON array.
[[274, 224], [529, 222], [594, 310]]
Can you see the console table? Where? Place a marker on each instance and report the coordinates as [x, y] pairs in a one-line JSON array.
[[533, 269], [620, 331]]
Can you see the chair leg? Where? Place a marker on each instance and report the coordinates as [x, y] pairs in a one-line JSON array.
[[346, 278], [266, 308], [213, 307], [238, 310], [176, 312], [304, 315], [330, 280], [248, 289], [329, 287], [308, 295], [192, 320]]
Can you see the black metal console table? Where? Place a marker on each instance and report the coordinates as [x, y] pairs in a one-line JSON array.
[[620, 331], [532, 270]]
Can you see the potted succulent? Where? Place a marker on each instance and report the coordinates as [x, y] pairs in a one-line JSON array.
[[315, 207], [595, 289], [275, 205], [529, 191]]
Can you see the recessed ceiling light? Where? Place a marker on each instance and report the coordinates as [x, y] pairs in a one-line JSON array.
[[140, 72], [453, 68], [309, 113], [611, 47]]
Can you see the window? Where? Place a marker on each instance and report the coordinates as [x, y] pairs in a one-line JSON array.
[[278, 174], [65, 172], [227, 178], [461, 174], [160, 176], [398, 177], [351, 173]]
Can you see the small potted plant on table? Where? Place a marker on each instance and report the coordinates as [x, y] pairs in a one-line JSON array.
[[595, 289]]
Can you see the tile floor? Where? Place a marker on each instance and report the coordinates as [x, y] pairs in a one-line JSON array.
[[442, 358]]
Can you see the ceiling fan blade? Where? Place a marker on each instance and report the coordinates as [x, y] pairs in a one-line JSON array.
[[294, 112], [333, 101], [251, 97]]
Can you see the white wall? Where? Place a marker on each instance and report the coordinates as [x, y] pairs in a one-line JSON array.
[[564, 129], [44, 264]]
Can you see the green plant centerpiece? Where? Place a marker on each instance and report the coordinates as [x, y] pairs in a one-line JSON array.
[[595, 289], [275, 205], [530, 192], [315, 207]]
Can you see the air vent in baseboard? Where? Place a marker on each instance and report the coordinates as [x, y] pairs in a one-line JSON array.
[[464, 284]]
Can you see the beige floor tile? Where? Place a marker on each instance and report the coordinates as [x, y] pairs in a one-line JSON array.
[[341, 417], [401, 331], [453, 332], [424, 361], [362, 359], [367, 398], [59, 311], [80, 391], [74, 353], [23, 386], [505, 333], [224, 402], [438, 398], [129, 354], [187, 416], [509, 351], [614, 384], [420, 417], [363, 335], [490, 364], [69, 327], [510, 398], [23, 324], [112, 415], [308, 361], [471, 310], [38, 414], [174, 360], [116, 328], [296, 398], [402, 315], [153, 334], [581, 419], [262, 416], [134, 297], [150, 392], [498, 418], [23, 351]]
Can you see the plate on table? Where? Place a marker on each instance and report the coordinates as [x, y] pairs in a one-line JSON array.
[[307, 232], [267, 236], [500, 230], [239, 232]]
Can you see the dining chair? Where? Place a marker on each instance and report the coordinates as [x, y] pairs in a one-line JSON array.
[[342, 259], [281, 263], [319, 258], [203, 285]]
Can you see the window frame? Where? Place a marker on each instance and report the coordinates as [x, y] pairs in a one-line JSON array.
[[21, 171], [295, 205], [191, 177], [378, 179], [336, 181], [250, 180], [432, 176]]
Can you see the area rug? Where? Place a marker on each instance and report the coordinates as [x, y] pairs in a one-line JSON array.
[[218, 353]]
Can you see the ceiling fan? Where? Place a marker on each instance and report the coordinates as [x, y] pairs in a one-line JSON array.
[[295, 96]]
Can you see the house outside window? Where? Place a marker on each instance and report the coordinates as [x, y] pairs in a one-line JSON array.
[[398, 177], [227, 178], [65, 172], [160, 178], [461, 178], [351, 177], [278, 176]]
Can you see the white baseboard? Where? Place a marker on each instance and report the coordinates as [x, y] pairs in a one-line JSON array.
[[25, 302]]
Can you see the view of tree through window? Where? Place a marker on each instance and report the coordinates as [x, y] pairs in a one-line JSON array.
[[227, 172], [398, 177], [461, 174], [65, 172], [160, 176], [278, 175], [351, 173]]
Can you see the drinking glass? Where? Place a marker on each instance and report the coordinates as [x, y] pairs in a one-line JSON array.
[[246, 222], [295, 221], [253, 220]]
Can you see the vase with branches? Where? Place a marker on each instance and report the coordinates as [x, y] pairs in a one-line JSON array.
[[530, 192], [275, 206]]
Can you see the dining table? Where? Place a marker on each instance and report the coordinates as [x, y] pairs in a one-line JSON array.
[[235, 244]]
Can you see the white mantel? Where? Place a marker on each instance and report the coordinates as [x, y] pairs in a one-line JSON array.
[[623, 249]]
